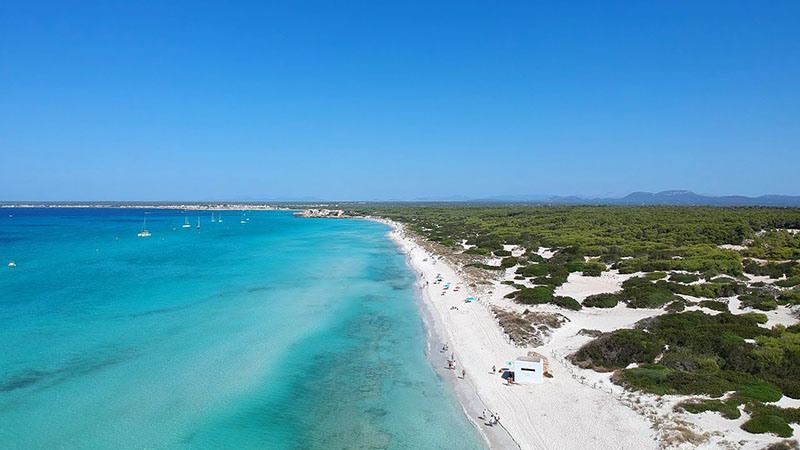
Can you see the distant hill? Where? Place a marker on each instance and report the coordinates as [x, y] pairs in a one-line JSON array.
[[687, 198]]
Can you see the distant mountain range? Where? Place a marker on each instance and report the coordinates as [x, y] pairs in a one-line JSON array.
[[679, 198]]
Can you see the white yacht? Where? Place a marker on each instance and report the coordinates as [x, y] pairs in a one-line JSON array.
[[12, 264], [186, 223], [145, 232]]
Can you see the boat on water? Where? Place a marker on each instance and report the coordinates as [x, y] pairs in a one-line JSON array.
[[145, 232], [212, 217], [219, 218], [198, 222], [12, 264], [186, 223]]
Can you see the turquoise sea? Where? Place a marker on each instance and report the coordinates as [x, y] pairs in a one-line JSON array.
[[279, 333]]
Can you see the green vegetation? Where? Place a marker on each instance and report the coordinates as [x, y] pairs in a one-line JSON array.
[[567, 302], [707, 354], [792, 297], [601, 300], [728, 410], [683, 278], [768, 424], [713, 304], [620, 348], [789, 282], [678, 249], [655, 238], [532, 296], [772, 269], [759, 299], [652, 276], [775, 244]]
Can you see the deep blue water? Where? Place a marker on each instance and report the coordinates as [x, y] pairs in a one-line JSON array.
[[277, 333]]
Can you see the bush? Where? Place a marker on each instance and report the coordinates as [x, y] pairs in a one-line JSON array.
[[755, 317], [727, 410], [601, 300], [760, 390], [478, 251], [501, 253], [759, 299], [485, 266], [768, 424], [567, 302], [511, 261], [533, 270], [534, 296], [620, 348], [652, 276], [715, 305], [792, 297], [676, 306], [789, 282], [640, 293], [683, 278]]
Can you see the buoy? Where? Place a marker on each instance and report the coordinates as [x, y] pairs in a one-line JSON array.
[[12, 264]]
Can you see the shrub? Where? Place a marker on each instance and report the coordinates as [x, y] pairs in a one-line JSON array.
[[789, 282], [683, 278], [593, 269], [567, 302], [536, 295], [759, 299], [792, 297], [533, 270], [759, 390], [485, 266], [755, 317], [676, 306], [478, 251], [620, 348], [715, 305], [652, 276], [768, 424], [601, 300], [726, 409], [511, 261], [501, 253]]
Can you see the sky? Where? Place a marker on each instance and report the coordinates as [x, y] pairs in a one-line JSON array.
[[380, 100]]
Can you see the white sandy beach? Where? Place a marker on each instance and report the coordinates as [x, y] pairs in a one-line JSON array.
[[577, 408]]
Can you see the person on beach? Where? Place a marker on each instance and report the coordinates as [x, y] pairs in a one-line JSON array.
[[494, 369], [463, 373]]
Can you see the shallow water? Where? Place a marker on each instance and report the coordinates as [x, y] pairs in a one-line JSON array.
[[277, 333]]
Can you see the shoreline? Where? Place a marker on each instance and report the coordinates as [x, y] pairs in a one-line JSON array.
[[464, 389], [562, 412]]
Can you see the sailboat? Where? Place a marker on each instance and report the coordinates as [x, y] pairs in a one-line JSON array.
[[145, 232], [219, 219], [198, 222], [186, 223], [212, 217]]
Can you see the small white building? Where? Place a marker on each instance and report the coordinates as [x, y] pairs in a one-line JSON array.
[[528, 369]]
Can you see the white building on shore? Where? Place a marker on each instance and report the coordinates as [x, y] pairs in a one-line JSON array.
[[528, 369]]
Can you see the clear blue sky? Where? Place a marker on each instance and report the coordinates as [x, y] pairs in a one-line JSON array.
[[396, 100]]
